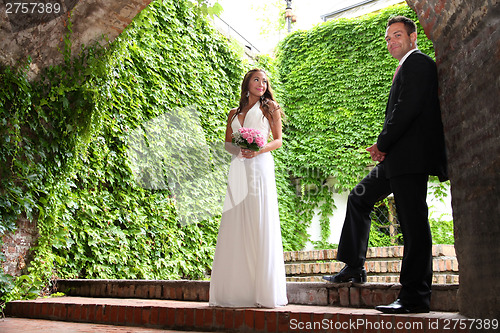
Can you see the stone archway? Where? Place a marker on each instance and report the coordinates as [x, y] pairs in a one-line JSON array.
[[467, 44], [39, 35]]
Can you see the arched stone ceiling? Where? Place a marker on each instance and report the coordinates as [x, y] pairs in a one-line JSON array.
[[38, 33]]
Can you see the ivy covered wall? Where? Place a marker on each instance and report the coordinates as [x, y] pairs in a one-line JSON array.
[[335, 80], [66, 160], [334, 83], [73, 143]]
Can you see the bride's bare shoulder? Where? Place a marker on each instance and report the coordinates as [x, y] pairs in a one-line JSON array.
[[231, 113]]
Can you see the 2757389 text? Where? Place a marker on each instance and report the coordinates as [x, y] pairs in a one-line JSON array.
[[32, 7], [467, 323]]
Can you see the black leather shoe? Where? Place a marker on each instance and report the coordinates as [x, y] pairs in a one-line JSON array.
[[347, 274], [399, 307]]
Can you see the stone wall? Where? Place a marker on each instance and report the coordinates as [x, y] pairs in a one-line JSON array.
[[16, 247], [40, 36], [466, 36]]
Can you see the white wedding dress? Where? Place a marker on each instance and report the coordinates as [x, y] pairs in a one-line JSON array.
[[248, 268]]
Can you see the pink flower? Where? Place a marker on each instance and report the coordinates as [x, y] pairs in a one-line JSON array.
[[249, 138], [260, 141]]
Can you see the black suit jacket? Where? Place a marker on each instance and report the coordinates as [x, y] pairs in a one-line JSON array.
[[412, 135]]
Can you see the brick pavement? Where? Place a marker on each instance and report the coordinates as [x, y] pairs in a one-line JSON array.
[[22, 325]]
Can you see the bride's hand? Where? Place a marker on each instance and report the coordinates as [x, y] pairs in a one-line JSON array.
[[247, 153]]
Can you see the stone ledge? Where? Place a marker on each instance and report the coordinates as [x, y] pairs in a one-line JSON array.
[[439, 250], [150, 289], [436, 278], [440, 265], [365, 295]]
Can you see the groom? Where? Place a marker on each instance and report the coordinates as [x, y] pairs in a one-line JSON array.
[[409, 148]]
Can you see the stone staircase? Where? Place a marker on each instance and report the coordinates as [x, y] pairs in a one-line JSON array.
[[182, 305], [383, 264], [313, 306]]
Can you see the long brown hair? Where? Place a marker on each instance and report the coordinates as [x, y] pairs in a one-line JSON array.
[[265, 99]]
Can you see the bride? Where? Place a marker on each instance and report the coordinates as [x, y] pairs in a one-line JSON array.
[[248, 268]]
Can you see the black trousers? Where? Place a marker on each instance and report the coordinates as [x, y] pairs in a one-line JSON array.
[[410, 192]]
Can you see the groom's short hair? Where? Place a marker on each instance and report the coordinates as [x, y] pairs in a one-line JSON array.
[[410, 26]]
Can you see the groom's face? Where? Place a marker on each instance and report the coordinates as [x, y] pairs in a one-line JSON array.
[[398, 40]]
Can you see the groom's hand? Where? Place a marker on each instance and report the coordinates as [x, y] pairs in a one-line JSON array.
[[376, 154]]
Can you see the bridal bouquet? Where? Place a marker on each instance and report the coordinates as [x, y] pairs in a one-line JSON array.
[[248, 138]]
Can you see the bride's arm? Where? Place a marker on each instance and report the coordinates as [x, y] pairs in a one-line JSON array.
[[230, 148], [277, 131]]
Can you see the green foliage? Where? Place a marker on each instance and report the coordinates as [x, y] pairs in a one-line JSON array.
[[168, 60], [44, 126], [67, 152], [384, 230], [295, 215], [6, 280], [205, 7], [111, 152], [442, 229], [337, 77], [334, 81], [273, 22], [378, 238]]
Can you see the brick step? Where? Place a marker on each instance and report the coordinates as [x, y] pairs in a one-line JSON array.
[[190, 315], [440, 250], [442, 264], [305, 293], [436, 278]]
